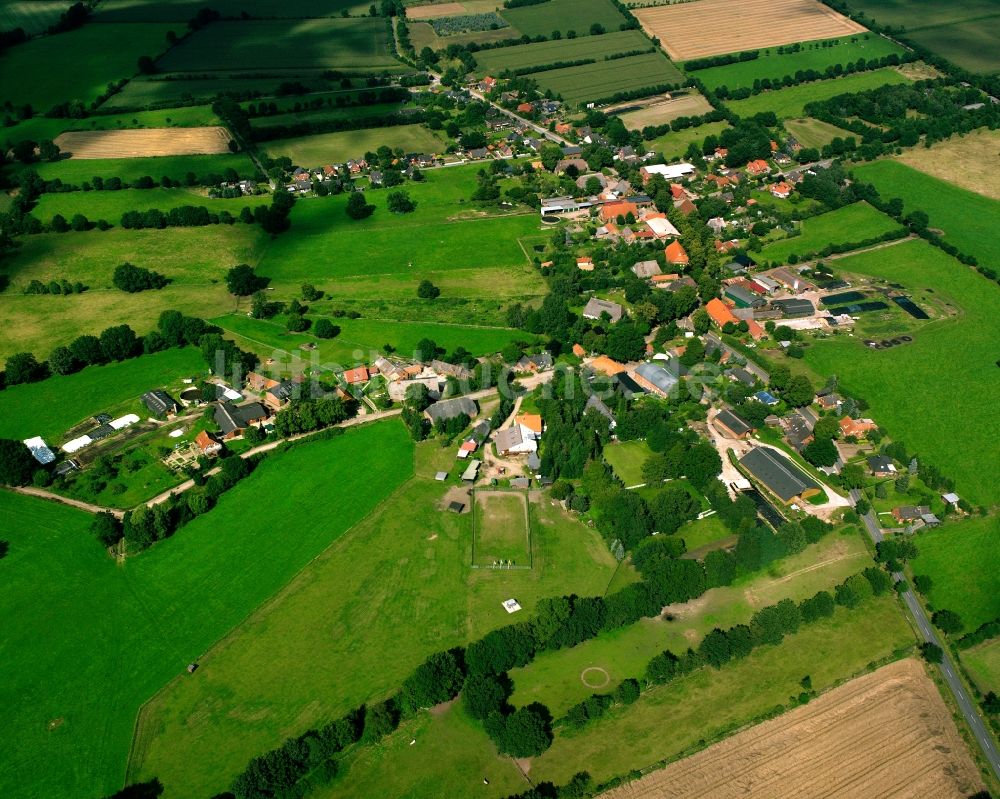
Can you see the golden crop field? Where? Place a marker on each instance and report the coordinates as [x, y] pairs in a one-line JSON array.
[[144, 142]]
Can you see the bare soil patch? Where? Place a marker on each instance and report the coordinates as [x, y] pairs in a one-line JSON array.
[[144, 142], [687, 105], [961, 160], [886, 734], [435, 11], [713, 27]]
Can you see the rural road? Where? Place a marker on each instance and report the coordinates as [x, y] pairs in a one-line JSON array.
[[962, 698]]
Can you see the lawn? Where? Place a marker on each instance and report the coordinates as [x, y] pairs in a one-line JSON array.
[[963, 562], [78, 65], [814, 55], [554, 678], [110, 205], [814, 133], [501, 529], [316, 44], [852, 223], [792, 101], [115, 635], [601, 80], [709, 703], [966, 218], [983, 662], [53, 406], [564, 16], [351, 627], [702, 532], [939, 412], [326, 148], [675, 144], [627, 459], [523, 56], [80, 170]]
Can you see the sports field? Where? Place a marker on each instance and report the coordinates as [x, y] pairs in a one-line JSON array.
[[852, 223], [675, 144], [350, 634], [792, 101], [601, 80], [685, 105], [938, 412], [148, 142], [713, 27], [963, 561], [959, 161], [176, 167], [116, 635], [78, 65], [316, 44], [324, 148], [964, 217], [502, 530], [814, 55], [814, 133], [51, 407], [564, 16], [110, 205], [542, 53]]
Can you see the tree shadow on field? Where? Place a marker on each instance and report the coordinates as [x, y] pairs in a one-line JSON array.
[[140, 790]]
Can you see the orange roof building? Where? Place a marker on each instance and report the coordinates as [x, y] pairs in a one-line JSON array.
[[755, 329], [358, 375], [532, 421], [676, 254], [586, 263], [781, 190], [758, 167], [605, 365], [612, 211], [720, 313], [525, 108], [856, 427], [579, 351]]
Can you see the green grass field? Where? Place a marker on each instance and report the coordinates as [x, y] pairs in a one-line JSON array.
[[326, 115], [963, 561], [51, 407], [34, 16], [983, 662], [971, 44], [702, 532], [82, 170], [675, 144], [348, 633], [792, 101], [539, 54], [604, 79], [814, 133], [115, 635], [564, 16], [923, 13], [939, 412], [316, 44], [157, 90], [554, 678], [965, 217], [851, 223], [78, 65], [627, 458], [110, 205], [814, 55], [183, 10], [325, 148], [501, 529]]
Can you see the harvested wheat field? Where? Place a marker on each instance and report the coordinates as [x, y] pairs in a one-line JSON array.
[[435, 11], [144, 142], [960, 160], [687, 105], [887, 734], [713, 27]]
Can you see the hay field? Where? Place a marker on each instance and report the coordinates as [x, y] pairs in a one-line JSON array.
[[143, 143], [886, 734], [687, 105], [713, 27], [814, 133], [435, 11], [960, 160]]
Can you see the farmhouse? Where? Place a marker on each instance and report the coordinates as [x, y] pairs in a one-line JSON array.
[[606, 366], [656, 379], [259, 382], [719, 312], [661, 228], [881, 466], [611, 211], [666, 171], [596, 308], [779, 475], [646, 269], [234, 419], [449, 409], [355, 376], [208, 445], [160, 403], [515, 440], [731, 425], [398, 389]]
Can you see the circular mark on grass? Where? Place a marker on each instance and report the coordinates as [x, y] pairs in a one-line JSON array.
[[595, 677]]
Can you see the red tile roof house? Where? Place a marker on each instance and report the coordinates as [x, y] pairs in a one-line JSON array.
[[525, 108], [354, 376], [758, 168], [585, 263], [676, 254], [611, 211], [720, 313], [208, 445], [781, 190], [856, 427]]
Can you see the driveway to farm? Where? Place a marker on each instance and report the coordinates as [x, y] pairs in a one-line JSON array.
[[31, 491], [962, 699]]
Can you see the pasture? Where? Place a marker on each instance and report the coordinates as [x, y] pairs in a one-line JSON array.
[[564, 16], [183, 10], [326, 114], [169, 90], [983, 662], [129, 170], [923, 13], [34, 16], [902, 383], [53, 406], [314, 44], [791, 102], [159, 612], [525, 56], [814, 55], [971, 44], [959, 161], [713, 27], [350, 634], [78, 65], [39, 127], [674, 144], [807, 750], [964, 217], [814, 133], [601, 80], [963, 561], [501, 529], [657, 113], [110, 205], [851, 223], [149, 142], [324, 148]]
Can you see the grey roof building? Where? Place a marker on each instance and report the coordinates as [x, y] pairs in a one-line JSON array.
[[508, 438], [231, 418], [596, 403], [881, 464], [778, 474], [646, 269], [160, 403], [733, 423], [656, 379], [595, 308], [795, 307], [449, 409], [742, 375]]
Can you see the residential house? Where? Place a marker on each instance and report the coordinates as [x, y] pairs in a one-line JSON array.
[[234, 419], [579, 351], [208, 445], [910, 513], [675, 285], [799, 425], [676, 254], [539, 362], [829, 402], [487, 84], [585, 263], [656, 379], [758, 168], [646, 269], [279, 394], [257, 382], [160, 403], [755, 329], [376, 178], [456, 370], [741, 375], [596, 403], [515, 440], [581, 182], [662, 228], [525, 108], [726, 246], [859, 428], [563, 165], [881, 466], [779, 475], [686, 207], [781, 190], [443, 410], [596, 308], [356, 376], [732, 425], [767, 398]]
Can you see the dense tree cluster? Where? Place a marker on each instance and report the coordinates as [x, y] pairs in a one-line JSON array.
[[131, 278]]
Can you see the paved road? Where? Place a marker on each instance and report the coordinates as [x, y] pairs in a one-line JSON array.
[[962, 698]]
